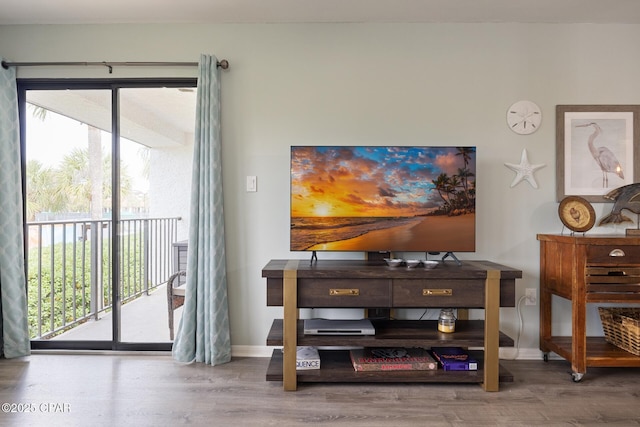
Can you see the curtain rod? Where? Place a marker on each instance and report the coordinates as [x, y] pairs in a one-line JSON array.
[[223, 63]]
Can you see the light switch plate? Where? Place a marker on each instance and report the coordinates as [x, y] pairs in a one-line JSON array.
[[252, 184]]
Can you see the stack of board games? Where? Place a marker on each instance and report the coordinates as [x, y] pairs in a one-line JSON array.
[[454, 359], [392, 359]]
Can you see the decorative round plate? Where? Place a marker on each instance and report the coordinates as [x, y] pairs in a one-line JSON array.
[[576, 214]]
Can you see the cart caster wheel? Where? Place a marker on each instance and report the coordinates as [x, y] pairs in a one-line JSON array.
[[545, 357], [577, 377]]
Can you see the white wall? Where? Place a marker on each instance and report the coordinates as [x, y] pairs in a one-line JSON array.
[[373, 84], [169, 184]]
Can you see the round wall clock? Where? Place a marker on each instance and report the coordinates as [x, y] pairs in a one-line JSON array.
[[524, 117], [576, 214]]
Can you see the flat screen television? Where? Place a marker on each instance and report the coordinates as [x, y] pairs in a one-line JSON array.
[[383, 198]]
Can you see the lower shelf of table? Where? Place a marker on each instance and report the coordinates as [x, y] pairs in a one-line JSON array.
[[336, 367], [599, 352]]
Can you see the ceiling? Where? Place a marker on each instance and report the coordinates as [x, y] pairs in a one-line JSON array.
[[291, 11]]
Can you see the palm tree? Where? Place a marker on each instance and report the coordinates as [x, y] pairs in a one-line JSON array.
[[465, 152], [442, 184], [452, 191], [76, 180], [68, 183], [94, 138], [464, 174], [43, 191]]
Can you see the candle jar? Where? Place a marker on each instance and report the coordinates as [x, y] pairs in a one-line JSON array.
[[447, 321]]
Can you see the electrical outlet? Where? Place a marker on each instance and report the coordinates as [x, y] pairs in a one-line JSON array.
[[531, 296]]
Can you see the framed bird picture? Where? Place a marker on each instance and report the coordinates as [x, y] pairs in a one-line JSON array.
[[597, 149]]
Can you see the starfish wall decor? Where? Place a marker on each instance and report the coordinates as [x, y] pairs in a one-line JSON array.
[[524, 171]]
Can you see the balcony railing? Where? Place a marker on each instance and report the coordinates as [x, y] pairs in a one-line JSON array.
[[69, 273]]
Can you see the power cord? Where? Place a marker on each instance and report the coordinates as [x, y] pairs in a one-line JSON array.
[[520, 326], [426, 310]]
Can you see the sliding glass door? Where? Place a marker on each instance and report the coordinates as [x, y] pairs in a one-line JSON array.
[[156, 149], [107, 175]]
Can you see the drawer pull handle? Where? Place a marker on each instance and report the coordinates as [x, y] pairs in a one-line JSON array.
[[344, 292], [616, 273], [437, 292], [617, 252]]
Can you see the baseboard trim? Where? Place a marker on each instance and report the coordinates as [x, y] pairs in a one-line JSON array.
[[506, 353], [251, 350], [510, 353]]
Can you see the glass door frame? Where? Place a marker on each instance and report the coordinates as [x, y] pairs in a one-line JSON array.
[[113, 85]]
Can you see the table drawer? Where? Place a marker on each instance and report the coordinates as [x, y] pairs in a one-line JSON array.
[[344, 293], [613, 254], [620, 279], [438, 293]]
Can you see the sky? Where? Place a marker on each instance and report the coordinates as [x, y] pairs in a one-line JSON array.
[[368, 181]]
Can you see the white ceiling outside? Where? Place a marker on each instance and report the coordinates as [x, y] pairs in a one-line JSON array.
[[281, 11], [153, 117]]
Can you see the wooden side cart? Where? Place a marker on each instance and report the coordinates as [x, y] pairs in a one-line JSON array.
[[587, 270], [295, 284]]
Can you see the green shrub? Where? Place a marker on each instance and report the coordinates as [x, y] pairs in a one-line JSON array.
[[59, 284]]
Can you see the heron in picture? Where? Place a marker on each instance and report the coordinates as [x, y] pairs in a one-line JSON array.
[[603, 156]]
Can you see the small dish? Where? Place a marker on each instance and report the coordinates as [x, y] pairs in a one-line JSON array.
[[411, 263], [430, 264], [393, 262]]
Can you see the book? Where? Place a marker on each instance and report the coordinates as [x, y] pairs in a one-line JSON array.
[[454, 359], [307, 358], [392, 359]]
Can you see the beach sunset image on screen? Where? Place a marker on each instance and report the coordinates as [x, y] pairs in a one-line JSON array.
[[383, 198]]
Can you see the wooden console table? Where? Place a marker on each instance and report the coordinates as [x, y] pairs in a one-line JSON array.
[[583, 270], [295, 284]]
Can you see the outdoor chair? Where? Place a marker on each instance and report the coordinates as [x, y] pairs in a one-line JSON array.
[[175, 295]]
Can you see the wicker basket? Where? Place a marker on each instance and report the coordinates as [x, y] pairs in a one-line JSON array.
[[622, 327]]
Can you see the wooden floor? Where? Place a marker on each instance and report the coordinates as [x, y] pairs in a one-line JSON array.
[[154, 390]]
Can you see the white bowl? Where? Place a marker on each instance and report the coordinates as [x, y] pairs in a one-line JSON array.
[[393, 262], [430, 264], [411, 263]]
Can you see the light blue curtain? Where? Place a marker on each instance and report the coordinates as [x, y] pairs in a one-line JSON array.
[[14, 327], [203, 333]]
